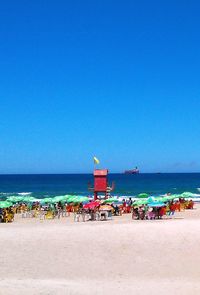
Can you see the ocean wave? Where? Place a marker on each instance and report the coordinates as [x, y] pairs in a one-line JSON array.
[[24, 194], [5, 194]]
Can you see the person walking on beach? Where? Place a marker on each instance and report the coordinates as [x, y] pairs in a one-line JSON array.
[[129, 203]]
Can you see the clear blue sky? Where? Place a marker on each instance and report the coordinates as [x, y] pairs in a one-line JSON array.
[[115, 79]]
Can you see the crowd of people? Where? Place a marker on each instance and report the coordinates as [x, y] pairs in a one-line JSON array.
[[59, 209], [146, 212]]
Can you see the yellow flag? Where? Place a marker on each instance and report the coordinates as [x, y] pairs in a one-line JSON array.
[[96, 161]]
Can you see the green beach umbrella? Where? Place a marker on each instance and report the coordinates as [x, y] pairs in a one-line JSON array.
[[143, 195], [83, 199], [47, 201], [5, 204], [164, 199], [187, 195], [174, 196], [75, 200], [71, 199], [140, 202], [15, 199], [29, 199], [59, 199], [111, 200]]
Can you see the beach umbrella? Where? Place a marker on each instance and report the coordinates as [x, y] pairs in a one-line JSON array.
[[5, 204], [158, 199], [75, 200], [59, 199], [105, 208], [164, 199], [156, 204], [72, 199], [66, 198], [47, 201], [187, 195], [151, 200], [111, 200], [91, 205], [172, 197], [15, 199], [140, 202], [143, 195], [83, 200], [29, 199]]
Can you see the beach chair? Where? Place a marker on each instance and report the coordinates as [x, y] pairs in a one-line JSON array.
[[103, 215], [42, 214], [109, 217], [77, 216], [49, 214], [151, 215], [25, 214], [8, 217], [86, 216], [33, 213], [64, 213]]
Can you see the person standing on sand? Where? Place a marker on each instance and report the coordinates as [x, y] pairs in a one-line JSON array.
[[129, 203]]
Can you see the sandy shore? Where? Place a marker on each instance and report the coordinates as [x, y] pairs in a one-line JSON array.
[[113, 257]]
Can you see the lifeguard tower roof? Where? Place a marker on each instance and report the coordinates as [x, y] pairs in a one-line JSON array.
[[100, 172]]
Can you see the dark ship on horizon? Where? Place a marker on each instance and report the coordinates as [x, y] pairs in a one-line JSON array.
[[132, 171]]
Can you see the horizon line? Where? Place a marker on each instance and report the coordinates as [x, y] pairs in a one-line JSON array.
[[78, 173]]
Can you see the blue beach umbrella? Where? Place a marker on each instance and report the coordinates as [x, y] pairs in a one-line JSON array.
[[151, 200]]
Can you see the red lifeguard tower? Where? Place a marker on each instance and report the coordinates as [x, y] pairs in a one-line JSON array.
[[101, 183]]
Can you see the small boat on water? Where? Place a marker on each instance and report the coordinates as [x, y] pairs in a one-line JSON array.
[[132, 171]]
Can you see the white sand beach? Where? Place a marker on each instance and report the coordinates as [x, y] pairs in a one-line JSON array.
[[120, 256]]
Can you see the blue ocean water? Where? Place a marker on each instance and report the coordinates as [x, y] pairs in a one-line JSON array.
[[125, 184]]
